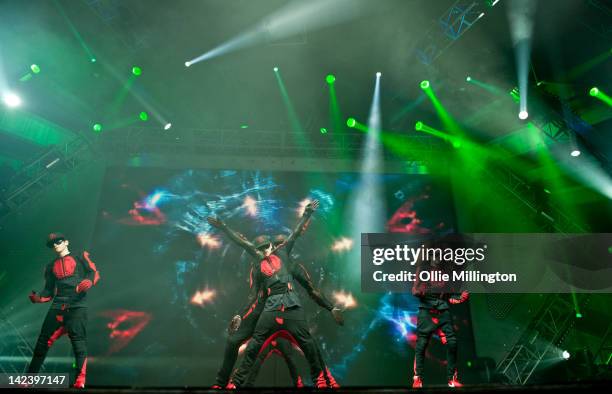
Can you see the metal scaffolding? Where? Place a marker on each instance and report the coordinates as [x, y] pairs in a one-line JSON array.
[[550, 325], [552, 218], [14, 348], [603, 356], [454, 23], [31, 180], [188, 141]]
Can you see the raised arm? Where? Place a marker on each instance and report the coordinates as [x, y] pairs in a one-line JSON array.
[[301, 226], [235, 237]]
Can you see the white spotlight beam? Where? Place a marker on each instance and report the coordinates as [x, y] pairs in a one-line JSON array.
[[521, 15], [369, 209], [294, 18]]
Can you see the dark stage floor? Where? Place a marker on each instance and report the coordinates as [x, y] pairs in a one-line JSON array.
[[567, 388]]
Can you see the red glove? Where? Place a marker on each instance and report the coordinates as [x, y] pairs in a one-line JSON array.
[[84, 286], [418, 290], [36, 299], [462, 298]]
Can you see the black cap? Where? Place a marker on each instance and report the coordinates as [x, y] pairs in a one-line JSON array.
[[279, 238], [262, 240], [53, 237]]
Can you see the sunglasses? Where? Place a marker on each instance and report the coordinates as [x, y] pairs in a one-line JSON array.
[[58, 241]]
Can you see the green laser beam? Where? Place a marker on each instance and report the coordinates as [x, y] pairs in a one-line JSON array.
[[586, 66], [600, 95], [75, 32]]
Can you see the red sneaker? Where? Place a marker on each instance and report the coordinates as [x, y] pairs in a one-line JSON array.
[[332, 382], [417, 382], [216, 387], [79, 383], [321, 383], [230, 386], [454, 382]]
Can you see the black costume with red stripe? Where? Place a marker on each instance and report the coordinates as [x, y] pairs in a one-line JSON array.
[[434, 316], [250, 314], [275, 309], [282, 315], [67, 280]]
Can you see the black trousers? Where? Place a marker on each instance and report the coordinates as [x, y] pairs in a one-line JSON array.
[[234, 340], [285, 349], [273, 322], [429, 321], [57, 323]]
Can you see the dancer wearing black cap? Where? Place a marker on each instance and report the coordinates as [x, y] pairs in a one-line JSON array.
[[68, 278], [282, 313]]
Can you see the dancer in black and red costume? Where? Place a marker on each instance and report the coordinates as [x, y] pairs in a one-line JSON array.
[[67, 281], [282, 346], [434, 316], [282, 314]]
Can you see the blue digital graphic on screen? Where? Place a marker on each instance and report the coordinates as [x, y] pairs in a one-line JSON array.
[[157, 219]]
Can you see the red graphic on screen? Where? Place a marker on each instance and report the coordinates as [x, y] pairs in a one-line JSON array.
[[406, 219], [144, 211], [124, 327], [144, 215]]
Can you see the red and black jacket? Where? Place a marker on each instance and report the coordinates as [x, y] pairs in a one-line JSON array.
[[67, 280]]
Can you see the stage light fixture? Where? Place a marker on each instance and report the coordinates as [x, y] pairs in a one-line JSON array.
[[575, 153], [330, 78], [187, 64], [565, 355], [351, 122], [578, 315], [275, 69], [35, 68], [418, 126], [594, 91], [378, 74], [323, 130], [143, 116], [93, 59], [523, 115], [136, 70], [167, 126], [424, 84], [11, 100], [97, 127], [468, 78]]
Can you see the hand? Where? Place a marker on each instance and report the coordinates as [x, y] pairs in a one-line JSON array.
[[235, 324], [84, 286], [418, 291], [337, 314], [462, 298], [312, 206], [215, 222], [34, 298]]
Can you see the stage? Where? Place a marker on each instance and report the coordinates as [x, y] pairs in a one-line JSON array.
[[361, 195]]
